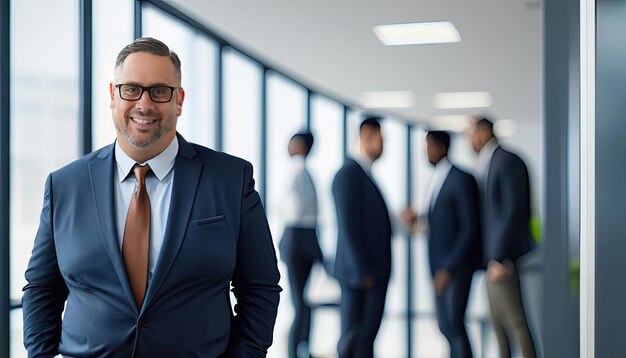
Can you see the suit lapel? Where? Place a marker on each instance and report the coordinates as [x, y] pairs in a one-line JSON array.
[[101, 173], [431, 207], [376, 190], [489, 174], [487, 185], [186, 178]]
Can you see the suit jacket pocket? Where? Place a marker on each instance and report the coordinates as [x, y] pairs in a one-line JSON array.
[[207, 223]]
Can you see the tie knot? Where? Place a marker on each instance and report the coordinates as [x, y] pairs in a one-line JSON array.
[[140, 172]]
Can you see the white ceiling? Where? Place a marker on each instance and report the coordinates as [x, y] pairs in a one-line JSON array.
[[330, 45]]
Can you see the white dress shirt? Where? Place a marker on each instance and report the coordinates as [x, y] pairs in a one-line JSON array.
[[159, 185], [299, 208], [365, 163], [442, 169]]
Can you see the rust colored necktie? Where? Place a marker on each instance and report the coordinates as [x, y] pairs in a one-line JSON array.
[[136, 244]]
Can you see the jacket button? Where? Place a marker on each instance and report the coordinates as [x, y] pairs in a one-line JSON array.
[[144, 323]]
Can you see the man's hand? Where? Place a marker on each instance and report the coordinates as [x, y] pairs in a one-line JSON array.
[[415, 223], [442, 281], [409, 216], [499, 271]]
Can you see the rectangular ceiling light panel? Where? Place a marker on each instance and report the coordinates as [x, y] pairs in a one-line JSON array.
[[453, 100], [453, 123], [388, 99], [421, 33]]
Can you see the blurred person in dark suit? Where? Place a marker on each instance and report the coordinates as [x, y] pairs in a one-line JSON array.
[[453, 240], [505, 211], [363, 258], [299, 247]]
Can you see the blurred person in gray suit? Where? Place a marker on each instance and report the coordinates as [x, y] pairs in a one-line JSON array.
[[299, 247], [505, 205]]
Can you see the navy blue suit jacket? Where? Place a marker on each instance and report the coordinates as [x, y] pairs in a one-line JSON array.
[[216, 235], [364, 228], [454, 225], [506, 208]]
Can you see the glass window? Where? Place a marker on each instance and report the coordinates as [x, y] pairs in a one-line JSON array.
[[422, 170], [197, 54], [355, 117], [108, 40], [286, 114], [44, 117], [461, 152], [242, 109], [325, 160], [390, 173], [16, 321]]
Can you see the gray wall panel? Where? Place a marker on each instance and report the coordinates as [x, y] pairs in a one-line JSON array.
[[560, 124], [610, 179]]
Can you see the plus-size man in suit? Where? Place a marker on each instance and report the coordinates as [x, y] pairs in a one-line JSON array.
[[453, 241], [139, 242], [363, 258], [505, 203]]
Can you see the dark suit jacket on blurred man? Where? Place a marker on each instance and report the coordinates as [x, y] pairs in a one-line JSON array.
[[363, 258], [364, 242], [453, 224], [505, 203], [454, 249]]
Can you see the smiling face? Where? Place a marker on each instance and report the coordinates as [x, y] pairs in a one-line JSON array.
[[144, 127]]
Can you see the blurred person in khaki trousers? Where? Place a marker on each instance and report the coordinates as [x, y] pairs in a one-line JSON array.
[[505, 211]]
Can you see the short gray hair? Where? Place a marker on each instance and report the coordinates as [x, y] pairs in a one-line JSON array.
[[149, 45]]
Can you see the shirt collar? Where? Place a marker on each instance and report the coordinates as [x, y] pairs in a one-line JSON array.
[[443, 166], [485, 154], [160, 165], [298, 162], [364, 162], [490, 147]]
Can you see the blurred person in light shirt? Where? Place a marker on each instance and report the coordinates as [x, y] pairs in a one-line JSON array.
[[299, 247]]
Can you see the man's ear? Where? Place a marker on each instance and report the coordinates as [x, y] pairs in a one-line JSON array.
[[112, 93], [180, 98]]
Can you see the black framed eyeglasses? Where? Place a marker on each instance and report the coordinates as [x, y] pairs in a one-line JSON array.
[[159, 94]]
